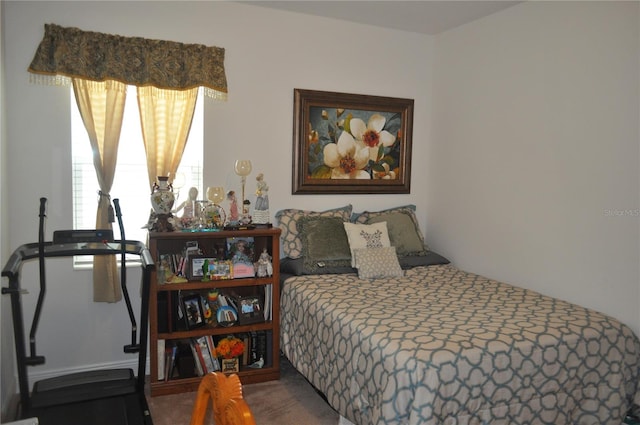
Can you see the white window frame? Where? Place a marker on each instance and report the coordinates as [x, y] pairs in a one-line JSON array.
[[130, 184]]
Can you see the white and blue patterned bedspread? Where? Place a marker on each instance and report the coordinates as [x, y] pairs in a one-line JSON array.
[[443, 346]]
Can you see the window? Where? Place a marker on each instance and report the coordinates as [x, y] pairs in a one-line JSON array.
[[130, 184]]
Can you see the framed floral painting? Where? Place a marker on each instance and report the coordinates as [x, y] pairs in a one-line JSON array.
[[350, 143]]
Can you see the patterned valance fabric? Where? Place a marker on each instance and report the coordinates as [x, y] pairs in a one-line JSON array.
[[71, 52]]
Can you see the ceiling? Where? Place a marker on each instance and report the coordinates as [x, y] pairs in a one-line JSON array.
[[420, 16]]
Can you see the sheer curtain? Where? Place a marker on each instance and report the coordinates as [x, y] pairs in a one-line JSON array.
[[166, 117], [101, 106], [167, 74]]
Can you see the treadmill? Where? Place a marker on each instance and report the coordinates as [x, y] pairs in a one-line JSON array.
[[96, 397]]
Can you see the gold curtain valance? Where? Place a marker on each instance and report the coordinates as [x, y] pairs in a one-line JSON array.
[[71, 52]]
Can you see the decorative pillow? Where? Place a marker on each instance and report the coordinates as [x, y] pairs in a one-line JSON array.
[[288, 222], [366, 236], [429, 259], [403, 227], [324, 243], [374, 263]]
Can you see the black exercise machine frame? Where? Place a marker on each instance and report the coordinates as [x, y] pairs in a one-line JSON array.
[[66, 244]]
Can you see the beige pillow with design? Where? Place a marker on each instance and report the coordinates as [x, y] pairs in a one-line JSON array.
[[366, 236]]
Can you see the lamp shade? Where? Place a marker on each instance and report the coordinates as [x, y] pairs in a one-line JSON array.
[[243, 167]]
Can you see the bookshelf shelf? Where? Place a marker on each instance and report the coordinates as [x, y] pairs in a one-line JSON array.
[[178, 373]]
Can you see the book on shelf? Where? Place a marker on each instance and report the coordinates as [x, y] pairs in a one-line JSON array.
[[161, 359], [204, 355], [197, 359], [167, 363], [170, 361], [261, 346], [212, 352], [246, 341], [268, 361], [268, 293], [253, 348], [185, 362], [258, 353]]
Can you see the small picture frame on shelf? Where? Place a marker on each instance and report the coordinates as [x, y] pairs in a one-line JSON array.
[[240, 250], [220, 269], [198, 266], [250, 309], [193, 311]]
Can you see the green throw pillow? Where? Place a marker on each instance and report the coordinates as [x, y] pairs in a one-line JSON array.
[[404, 233], [324, 243], [288, 219]]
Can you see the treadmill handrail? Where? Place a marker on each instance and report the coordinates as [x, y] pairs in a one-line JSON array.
[[31, 251]]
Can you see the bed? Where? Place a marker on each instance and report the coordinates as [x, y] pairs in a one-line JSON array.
[[426, 343]]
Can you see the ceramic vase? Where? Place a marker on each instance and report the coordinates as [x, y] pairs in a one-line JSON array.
[[162, 197]]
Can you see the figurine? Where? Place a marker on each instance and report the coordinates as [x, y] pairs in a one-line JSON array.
[[245, 219], [233, 207], [261, 211], [190, 210], [188, 205], [264, 266], [205, 270], [262, 200]]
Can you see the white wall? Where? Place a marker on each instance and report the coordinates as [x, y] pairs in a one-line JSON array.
[[533, 172], [7, 364], [268, 54], [532, 138]]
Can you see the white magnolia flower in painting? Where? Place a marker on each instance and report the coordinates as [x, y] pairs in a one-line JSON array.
[[387, 174], [372, 134], [347, 158]]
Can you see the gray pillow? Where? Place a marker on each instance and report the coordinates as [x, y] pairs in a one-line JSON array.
[[324, 243], [287, 220], [404, 232]]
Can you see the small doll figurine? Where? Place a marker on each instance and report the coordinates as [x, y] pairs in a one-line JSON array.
[[264, 266], [261, 210], [233, 207], [188, 206], [262, 193]]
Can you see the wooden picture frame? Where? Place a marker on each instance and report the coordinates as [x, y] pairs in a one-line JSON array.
[[250, 309], [325, 120], [193, 311], [196, 263]]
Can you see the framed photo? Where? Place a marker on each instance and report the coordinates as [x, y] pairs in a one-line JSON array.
[[349, 143], [198, 264], [220, 269], [193, 311], [241, 252], [250, 309]]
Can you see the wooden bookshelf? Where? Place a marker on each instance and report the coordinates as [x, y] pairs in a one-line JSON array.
[[166, 326]]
